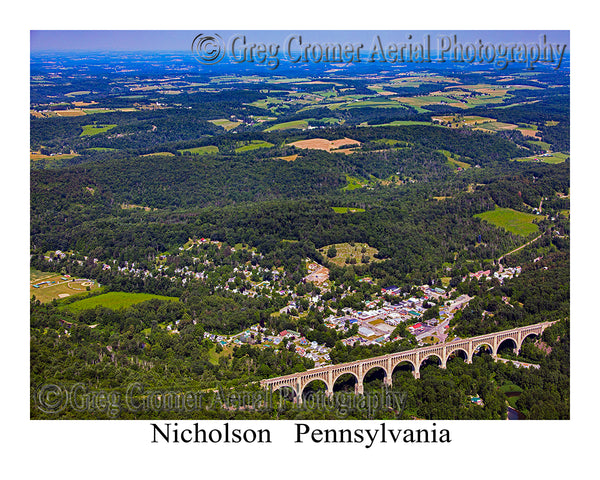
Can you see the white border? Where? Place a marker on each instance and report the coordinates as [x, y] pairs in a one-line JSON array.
[[85, 449]]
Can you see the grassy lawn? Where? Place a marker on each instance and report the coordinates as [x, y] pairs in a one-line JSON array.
[[213, 356], [89, 130], [515, 222], [512, 393], [201, 150], [116, 300]]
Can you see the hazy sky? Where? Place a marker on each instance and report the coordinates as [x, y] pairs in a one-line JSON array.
[[180, 40]]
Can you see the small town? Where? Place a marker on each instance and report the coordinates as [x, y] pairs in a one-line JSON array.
[[373, 324]]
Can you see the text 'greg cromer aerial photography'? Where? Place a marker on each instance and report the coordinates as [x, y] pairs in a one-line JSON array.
[[299, 225]]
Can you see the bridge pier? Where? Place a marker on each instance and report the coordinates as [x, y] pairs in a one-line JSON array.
[[359, 388], [416, 374], [387, 381]]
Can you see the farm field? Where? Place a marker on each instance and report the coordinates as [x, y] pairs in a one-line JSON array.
[[89, 130], [255, 144], [116, 300], [539, 143], [289, 125], [347, 209], [453, 161], [103, 149], [556, 157], [457, 121], [74, 112], [365, 103], [201, 150], [289, 158], [519, 223], [58, 285], [226, 124], [323, 144], [495, 126], [168, 154], [60, 156], [399, 123], [485, 124]]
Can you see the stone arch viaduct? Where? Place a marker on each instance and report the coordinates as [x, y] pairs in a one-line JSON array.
[[469, 346]]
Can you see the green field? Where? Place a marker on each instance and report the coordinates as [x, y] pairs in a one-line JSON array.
[[253, 146], [201, 150], [347, 209], [289, 125], [495, 126], [116, 300], [353, 183], [515, 222], [556, 157], [366, 103], [539, 143], [89, 130], [90, 111], [400, 123], [453, 161], [103, 149], [226, 124]]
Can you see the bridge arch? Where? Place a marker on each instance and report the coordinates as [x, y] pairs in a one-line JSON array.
[[502, 343], [396, 363], [313, 382], [453, 351], [283, 389], [370, 370], [479, 347], [427, 355], [336, 376], [525, 335]]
